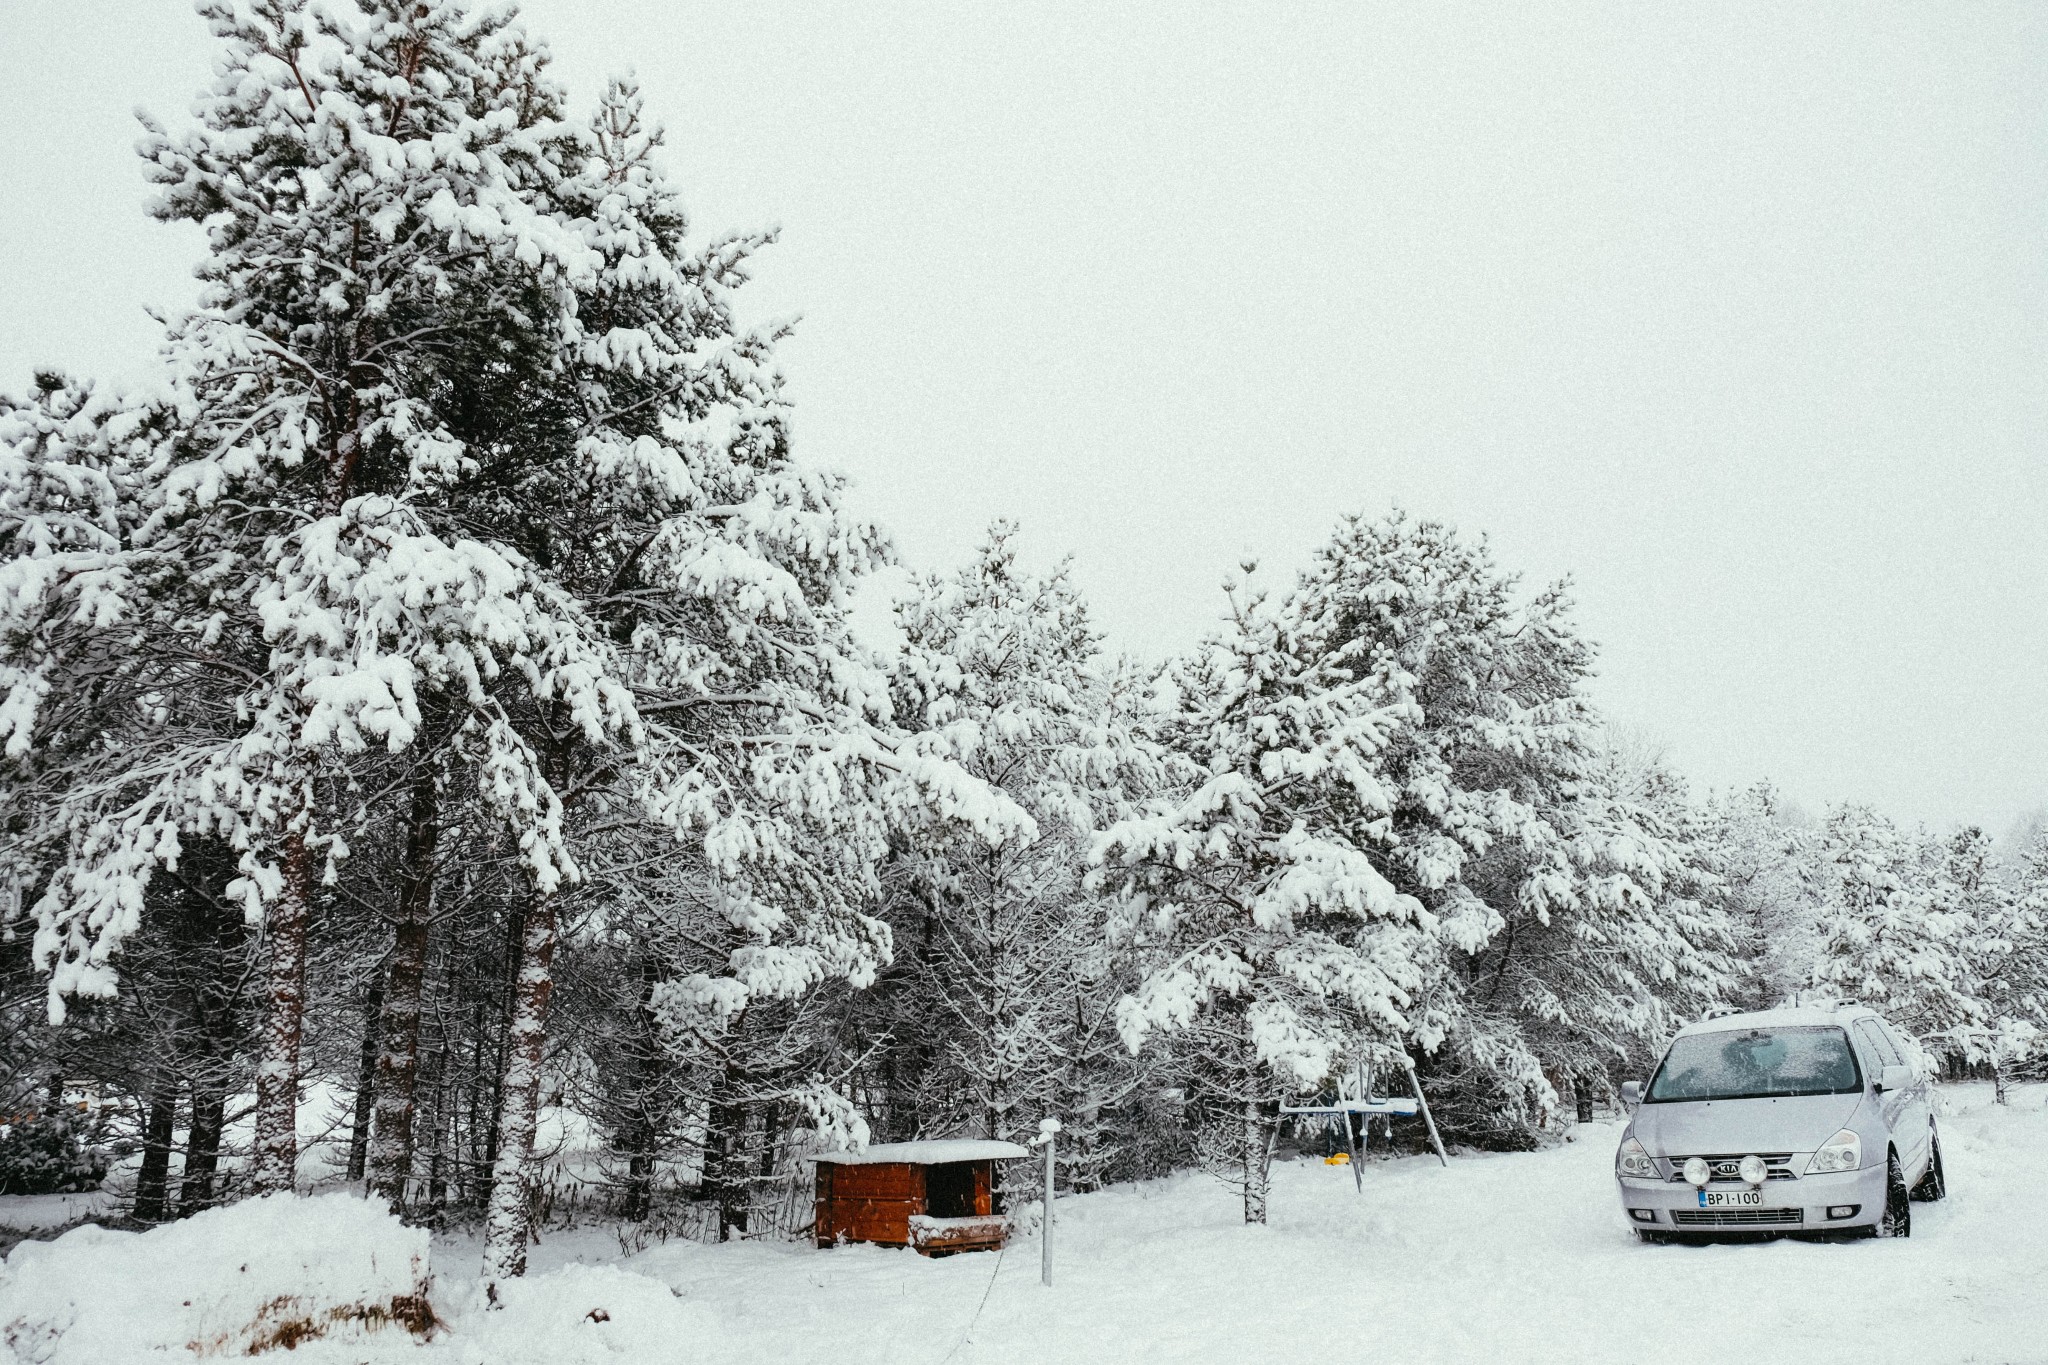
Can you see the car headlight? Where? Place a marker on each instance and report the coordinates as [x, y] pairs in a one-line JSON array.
[[1842, 1152], [1634, 1160]]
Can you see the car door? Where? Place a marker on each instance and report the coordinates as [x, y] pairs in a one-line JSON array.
[[1895, 1105], [1920, 1101]]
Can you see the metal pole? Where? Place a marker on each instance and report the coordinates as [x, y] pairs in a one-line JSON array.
[[1423, 1100], [1046, 1129], [1350, 1142]]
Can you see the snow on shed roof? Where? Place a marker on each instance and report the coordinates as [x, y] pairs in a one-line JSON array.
[[924, 1153]]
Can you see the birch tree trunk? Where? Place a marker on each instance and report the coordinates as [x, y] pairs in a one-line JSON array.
[[276, 1154], [506, 1222], [1258, 1148], [1255, 1164], [398, 1064]]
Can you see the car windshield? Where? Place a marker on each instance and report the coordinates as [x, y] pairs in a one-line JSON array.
[[1755, 1063]]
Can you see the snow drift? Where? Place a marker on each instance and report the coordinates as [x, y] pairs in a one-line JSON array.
[[263, 1274], [585, 1315]]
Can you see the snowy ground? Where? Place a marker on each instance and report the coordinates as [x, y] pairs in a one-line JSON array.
[[1499, 1259], [32, 1212]]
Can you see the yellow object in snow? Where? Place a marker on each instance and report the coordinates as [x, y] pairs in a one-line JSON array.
[[1341, 1159]]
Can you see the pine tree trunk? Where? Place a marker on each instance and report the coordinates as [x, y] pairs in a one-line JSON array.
[[725, 1163], [276, 1155], [153, 1181], [764, 1166], [506, 1227], [398, 1065], [638, 1136], [432, 1117], [366, 1082], [483, 1117], [202, 1150]]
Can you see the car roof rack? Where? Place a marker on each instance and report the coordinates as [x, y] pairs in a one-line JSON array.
[[1809, 999]]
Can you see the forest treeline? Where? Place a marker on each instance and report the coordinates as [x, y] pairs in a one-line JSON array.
[[436, 689]]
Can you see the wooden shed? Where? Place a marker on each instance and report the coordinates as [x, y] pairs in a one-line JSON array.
[[934, 1196]]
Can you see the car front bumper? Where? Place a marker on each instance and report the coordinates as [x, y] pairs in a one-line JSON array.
[[1810, 1203]]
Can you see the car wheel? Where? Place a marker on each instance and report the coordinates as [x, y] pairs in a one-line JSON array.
[[1645, 1235], [1934, 1184], [1898, 1204]]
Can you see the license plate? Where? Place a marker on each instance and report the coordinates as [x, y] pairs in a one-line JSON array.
[[1731, 1199]]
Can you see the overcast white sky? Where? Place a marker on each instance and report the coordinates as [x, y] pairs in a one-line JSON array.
[[1735, 313]]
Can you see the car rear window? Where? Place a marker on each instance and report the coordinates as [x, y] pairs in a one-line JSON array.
[[1755, 1063]]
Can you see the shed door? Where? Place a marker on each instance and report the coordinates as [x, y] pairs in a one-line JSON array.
[[949, 1190]]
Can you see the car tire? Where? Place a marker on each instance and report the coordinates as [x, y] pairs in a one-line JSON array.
[[1898, 1203], [1653, 1238], [1934, 1184]]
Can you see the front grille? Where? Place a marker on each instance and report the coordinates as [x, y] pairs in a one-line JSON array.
[[1736, 1218], [1728, 1169]]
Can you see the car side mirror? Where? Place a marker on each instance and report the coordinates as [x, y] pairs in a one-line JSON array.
[[1631, 1093], [1895, 1078]]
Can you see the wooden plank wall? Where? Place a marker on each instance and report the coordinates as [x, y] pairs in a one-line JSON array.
[[868, 1203]]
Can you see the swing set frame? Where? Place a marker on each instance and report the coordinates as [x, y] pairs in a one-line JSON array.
[[1362, 1102]]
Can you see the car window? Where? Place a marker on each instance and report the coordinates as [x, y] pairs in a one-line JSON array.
[[1909, 1054], [1880, 1046], [1753, 1063]]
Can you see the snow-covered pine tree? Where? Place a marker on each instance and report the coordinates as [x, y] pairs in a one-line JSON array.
[[1758, 850], [1999, 941], [1273, 945], [360, 181], [461, 442], [723, 570], [2010, 958], [1000, 1008], [1895, 933], [1573, 924]]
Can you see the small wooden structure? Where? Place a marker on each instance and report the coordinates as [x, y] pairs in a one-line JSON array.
[[934, 1196]]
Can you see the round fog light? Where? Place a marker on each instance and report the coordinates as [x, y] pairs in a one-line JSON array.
[[1754, 1170], [1697, 1171]]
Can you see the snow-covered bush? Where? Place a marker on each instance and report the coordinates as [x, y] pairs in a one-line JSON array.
[[51, 1153], [266, 1274]]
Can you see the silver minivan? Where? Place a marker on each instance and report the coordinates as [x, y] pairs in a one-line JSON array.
[[1808, 1119]]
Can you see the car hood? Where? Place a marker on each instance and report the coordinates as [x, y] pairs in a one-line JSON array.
[[1790, 1123]]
